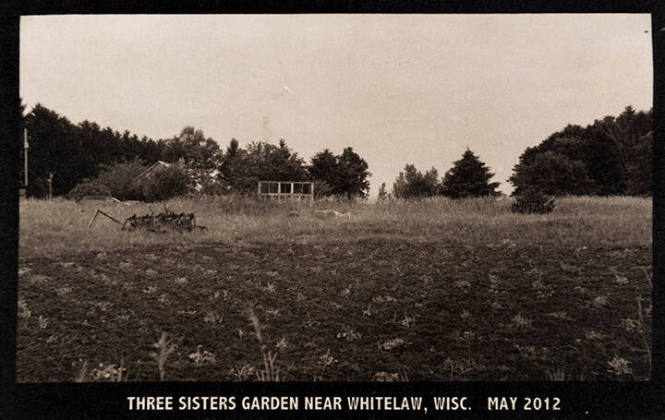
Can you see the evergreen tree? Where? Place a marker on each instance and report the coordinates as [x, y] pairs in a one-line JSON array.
[[53, 150], [469, 177], [225, 168], [232, 150], [77, 152], [640, 167]]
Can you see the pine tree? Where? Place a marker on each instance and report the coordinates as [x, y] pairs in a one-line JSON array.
[[469, 177]]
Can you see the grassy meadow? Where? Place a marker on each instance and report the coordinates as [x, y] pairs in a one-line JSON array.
[[437, 290]]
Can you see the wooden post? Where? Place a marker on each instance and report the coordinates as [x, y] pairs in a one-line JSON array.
[[26, 146], [50, 185]]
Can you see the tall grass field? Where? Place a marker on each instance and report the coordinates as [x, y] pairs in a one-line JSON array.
[[434, 290]]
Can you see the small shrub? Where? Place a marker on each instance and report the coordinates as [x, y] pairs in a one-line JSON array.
[[533, 201], [89, 188], [119, 178], [167, 183]]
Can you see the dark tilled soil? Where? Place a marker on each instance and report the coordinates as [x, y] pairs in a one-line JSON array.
[[357, 311]]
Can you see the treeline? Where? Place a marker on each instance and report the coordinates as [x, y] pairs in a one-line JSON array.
[[109, 161], [469, 177], [612, 156], [342, 175], [73, 153]]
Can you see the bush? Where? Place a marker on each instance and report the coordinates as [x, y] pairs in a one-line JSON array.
[[411, 183], [533, 201], [89, 188], [119, 178], [213, 188], [322, 189], [167, 183]]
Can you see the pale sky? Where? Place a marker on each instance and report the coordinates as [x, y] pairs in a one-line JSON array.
[[397, 88]]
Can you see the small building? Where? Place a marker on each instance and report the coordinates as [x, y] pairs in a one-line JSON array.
[[286, 189]]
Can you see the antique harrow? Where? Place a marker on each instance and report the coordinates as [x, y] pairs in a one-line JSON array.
[[159, 223]]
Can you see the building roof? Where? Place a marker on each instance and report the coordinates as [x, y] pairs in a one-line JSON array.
[[150, 170]]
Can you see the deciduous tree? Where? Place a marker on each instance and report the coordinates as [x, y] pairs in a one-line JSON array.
[[411, 183], [345, 174], [554, 174]]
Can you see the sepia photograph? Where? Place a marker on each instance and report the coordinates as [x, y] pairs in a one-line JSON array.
[[335, 198]]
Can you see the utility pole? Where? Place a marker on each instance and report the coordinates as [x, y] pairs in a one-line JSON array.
[[50, 185], [26, 146]]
